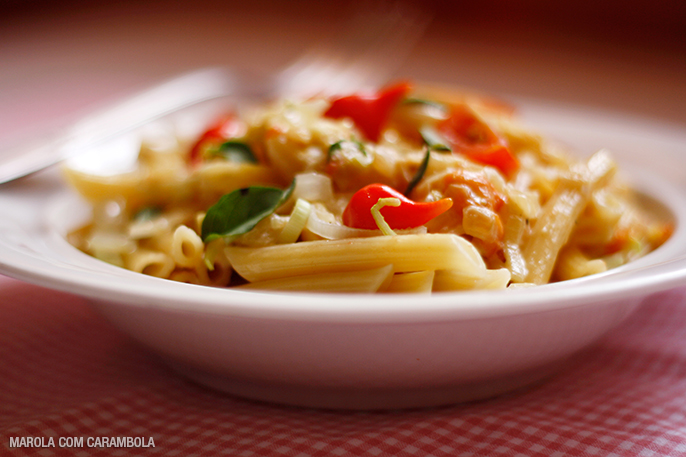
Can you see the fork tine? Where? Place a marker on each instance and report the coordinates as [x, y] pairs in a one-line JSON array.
[[373, 44]]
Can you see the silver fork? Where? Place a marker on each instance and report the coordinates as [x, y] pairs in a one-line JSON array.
[[374, 45]]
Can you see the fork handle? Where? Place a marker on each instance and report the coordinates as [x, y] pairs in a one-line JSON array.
[[134, 112]]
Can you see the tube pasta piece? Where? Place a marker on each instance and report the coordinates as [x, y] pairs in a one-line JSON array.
[[495, 279], [219, 178], [360, 281], [186, 247], [553, 228], [574, 264], [129, 186], [521, 285], [405, 252], [167, 185], [450, 280], [151, 263], [140, 188], [187, 276], [419, 282], [551, 232], [523, 211]]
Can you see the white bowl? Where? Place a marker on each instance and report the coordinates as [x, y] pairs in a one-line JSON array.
[[364, 351]]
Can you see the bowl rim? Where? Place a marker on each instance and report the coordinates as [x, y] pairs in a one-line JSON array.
[[78, 273]]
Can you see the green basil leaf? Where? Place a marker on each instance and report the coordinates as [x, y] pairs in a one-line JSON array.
[[239, 211], [434, 140], [338, 145], [419, 174], [147, 213], [236, 151]]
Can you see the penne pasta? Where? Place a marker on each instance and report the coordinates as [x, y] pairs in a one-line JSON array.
[[187, 276], [219, 178], [418, 282], [553, 228], [369, 281], [574, 264], [451, 280], [186, 247], [428, 191], [406, 253], [150, 263]]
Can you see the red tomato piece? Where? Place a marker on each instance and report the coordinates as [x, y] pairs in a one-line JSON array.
[[225, 128], [470, 136], [410, 214], [369, 112]]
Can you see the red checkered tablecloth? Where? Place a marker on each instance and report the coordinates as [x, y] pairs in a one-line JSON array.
[[66, 373]]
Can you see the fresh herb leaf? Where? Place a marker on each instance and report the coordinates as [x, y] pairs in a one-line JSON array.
[[147, 213], [360, 147], [434, 140], [236, 151], [338, 145], [240, 211], [419, 174], [421, 101]]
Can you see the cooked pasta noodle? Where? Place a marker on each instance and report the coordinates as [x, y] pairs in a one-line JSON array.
[[406, 253], [574, 264], [370, 281], [187, 276], [418, 282], [406, 190], [187, 247], [153, 263], [446, 280]]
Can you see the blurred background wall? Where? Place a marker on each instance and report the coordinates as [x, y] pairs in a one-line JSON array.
[[61, 58]]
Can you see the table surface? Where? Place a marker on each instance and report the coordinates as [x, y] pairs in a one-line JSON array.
[[66, 372]]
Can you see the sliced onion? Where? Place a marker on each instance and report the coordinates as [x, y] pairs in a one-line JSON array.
[[296, 223], [313, 187]]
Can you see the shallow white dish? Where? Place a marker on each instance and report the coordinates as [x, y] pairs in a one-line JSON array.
[[365, 352]]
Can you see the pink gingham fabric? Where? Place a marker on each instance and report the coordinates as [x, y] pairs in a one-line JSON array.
[[65, 372]]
